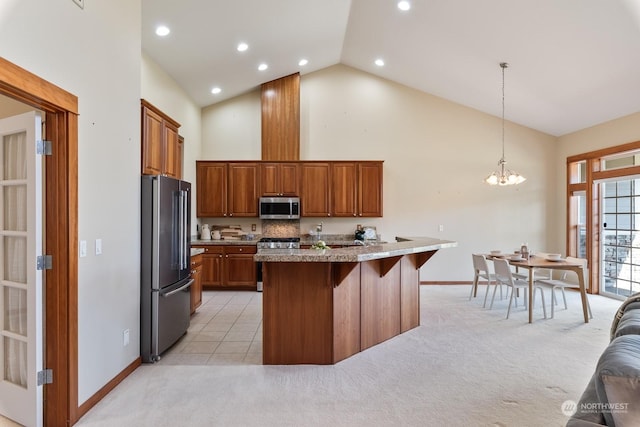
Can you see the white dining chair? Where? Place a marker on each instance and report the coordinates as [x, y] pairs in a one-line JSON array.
[[504, 275], [481, 271], [566, 282]]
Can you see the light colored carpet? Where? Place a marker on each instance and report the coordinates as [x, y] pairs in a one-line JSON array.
[[464, 366]]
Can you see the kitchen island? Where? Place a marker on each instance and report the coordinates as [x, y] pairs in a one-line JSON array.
[[323, 306]]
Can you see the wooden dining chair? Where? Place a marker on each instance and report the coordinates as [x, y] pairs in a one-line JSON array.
[[505, 276], [566, 282]]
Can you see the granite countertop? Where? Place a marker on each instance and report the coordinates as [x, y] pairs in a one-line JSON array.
[[403, 246], [305, 239]]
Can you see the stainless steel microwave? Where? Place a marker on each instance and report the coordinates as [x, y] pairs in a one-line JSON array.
[[279, 207]]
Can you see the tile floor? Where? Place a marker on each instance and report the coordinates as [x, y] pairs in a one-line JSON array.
[[225, 330]]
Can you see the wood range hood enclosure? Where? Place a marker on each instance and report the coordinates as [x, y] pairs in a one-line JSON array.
[[280, 102]]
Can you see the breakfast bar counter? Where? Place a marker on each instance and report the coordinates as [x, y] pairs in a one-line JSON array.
[[323, 306]]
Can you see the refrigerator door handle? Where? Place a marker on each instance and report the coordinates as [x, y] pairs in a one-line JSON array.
[[182, 217], [185, 229], [181, 288]]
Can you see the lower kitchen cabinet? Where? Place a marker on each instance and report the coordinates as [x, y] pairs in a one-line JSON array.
[[228, 267], [240, 269], [196, 286]]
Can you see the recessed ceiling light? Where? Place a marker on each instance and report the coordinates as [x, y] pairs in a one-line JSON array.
[[404, 5], [262, 67], [162, 30], [216, 90], [379, 62], [242, 47], [303, 62]]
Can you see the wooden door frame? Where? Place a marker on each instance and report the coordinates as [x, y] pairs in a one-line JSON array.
[[61, 236]]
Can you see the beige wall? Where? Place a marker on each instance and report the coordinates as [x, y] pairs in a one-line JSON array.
[[436, 155], [94, 53]]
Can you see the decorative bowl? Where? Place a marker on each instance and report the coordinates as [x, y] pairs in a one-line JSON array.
[[496, 252], [553, 257]]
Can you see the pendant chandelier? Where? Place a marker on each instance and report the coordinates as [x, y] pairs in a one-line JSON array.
[[504, 176]]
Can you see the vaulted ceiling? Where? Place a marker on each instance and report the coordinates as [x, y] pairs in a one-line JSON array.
[[573, 63]]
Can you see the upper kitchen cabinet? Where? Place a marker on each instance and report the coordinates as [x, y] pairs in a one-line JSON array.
[[369, 189], [243, 189], [211, 189], [315, 190], [161, 149], [279, 179], [356, 189], [227, 189]]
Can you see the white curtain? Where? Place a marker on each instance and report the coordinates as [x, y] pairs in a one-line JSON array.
[[14, 250]]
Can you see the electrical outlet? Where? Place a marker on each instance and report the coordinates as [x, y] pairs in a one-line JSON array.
[[83, 248], [125, 338], [80, 3], [98, 246], [441, 227], [253, 227]]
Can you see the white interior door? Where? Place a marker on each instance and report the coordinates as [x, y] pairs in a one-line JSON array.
[[21, 320]]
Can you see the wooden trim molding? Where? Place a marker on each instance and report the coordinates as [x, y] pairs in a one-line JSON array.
[[100, 394], [33, 90], [618, 149], [61, 235], [453, 282]]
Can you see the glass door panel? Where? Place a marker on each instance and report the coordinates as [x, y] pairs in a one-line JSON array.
[[620, 237]]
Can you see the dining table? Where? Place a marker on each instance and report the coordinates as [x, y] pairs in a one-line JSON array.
[[534, 262]]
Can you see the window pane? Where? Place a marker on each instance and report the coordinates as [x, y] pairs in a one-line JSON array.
[[624, 188], [609, 189], [624, 204]]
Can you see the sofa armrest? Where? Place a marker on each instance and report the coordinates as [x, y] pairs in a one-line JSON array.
[[586, 415], [617, 380]]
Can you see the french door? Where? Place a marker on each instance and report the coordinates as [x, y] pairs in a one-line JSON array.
[[620, 237], [21, 283]]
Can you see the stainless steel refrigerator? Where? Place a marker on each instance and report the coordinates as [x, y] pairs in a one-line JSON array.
[[165, 260]]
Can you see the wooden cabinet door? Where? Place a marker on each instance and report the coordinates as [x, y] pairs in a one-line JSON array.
[[269, 177], [152, 148], [344, 189], [243, 189], [171, 150], [160, 143], [211, 189], [196, 286], [314, 192], [279, 179], [289, 179], [240, 269], [370, 189], [212, 267]]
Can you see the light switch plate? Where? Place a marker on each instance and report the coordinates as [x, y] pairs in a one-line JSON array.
[[83, 248], [98, 246], [80, 3]]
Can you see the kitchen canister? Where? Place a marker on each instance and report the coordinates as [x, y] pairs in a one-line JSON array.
[[205, 233]]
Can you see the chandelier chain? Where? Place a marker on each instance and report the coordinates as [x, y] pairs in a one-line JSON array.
[[503, 65], [504, 176]]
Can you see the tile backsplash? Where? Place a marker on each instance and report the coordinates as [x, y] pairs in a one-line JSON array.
[[280, 227]]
